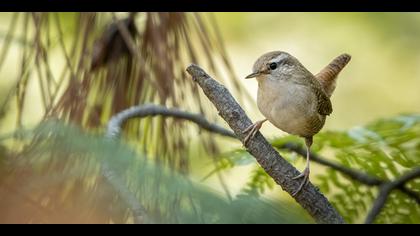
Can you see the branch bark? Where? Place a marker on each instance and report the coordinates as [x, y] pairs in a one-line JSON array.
[[116, 122], [314, 202]]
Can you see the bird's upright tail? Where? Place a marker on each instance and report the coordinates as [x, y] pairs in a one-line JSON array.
[[327, 76]]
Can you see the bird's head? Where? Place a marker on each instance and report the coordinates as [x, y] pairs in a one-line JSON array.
[[275, 65]]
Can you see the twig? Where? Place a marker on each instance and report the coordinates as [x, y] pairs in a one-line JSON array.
[[128, 40], [138, 211], [114, 130], [351, 173], [63, 46], [116, 122], [385, 190], [355, 175], [8, 38], [314, 202]]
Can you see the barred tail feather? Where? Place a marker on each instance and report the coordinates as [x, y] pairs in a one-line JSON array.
[[327, 76]]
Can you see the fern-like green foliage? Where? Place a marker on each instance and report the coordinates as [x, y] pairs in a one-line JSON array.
[[53, 175], [385, 149]]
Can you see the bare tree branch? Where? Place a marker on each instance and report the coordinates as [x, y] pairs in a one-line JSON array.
[[116, 122], [114, 130], [410, 193], [386, 189], [316, 204], [138, 211]]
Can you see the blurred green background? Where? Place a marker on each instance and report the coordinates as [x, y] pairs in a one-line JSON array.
[[382, 79], [46, 72]]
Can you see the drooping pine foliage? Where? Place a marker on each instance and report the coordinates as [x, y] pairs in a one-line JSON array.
[[59, 180], [87, 70], [385, 149]]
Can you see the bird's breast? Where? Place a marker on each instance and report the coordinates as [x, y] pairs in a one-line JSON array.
[[289, 106]]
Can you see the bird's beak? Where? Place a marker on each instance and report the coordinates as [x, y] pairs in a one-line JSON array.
[[253, 75]]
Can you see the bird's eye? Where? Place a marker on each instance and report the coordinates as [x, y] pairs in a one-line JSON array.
[[272, 66]]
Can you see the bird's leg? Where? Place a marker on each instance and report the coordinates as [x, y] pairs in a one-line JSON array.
[[305, 173], [252, 130]]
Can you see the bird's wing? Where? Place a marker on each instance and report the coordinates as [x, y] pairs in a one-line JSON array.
[[324, 105], [324, 102]]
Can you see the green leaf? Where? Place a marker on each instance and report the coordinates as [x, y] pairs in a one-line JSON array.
[[59, 175]]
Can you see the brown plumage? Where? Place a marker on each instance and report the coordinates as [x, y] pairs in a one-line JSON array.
[[328, 76], [292, 98]]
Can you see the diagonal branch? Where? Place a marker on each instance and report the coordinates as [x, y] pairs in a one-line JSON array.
[[386, 189], [314, 202]]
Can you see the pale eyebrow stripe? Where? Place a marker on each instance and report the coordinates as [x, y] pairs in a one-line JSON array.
[[278, 58]]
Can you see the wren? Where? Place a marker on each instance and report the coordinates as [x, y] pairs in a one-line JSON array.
[[293, 99]]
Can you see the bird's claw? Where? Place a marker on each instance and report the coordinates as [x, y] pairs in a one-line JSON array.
[[252, 131], [305, 176]]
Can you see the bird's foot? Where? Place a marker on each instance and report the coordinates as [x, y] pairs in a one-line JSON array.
[[252, 130], [305, 176]]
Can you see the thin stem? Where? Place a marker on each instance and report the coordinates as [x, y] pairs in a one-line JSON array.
[[116, 122], [63, 47], [385, 190]]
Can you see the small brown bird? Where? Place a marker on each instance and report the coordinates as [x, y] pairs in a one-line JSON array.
[[292, 98]]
